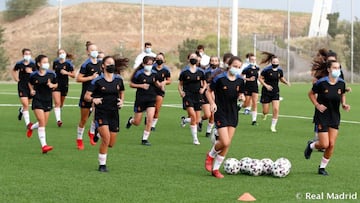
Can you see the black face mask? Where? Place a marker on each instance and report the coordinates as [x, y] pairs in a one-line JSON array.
[[110, 68], [159, 62], [213, 66], [275, 65], [193, 61]]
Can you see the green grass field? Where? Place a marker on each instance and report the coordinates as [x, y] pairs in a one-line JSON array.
[[172, 169]]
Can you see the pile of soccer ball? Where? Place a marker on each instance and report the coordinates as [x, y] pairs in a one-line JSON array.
[[256, 167]]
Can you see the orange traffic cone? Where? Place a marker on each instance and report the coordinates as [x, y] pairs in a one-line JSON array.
[[247, 197]]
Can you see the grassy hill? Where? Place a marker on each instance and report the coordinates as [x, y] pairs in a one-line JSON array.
[[111, 24]]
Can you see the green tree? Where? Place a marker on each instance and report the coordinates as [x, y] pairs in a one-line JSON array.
[[356, 46], [4, 60], [16, 9], [333, 24], [188, 46]]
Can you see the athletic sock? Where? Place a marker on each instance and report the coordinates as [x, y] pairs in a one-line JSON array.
[[209, 127], [92, 127], [312, 145], [194, 131], [26, 117], [57, 111], [253, 115], [42, 136], [155, 120], [35, 125], [213, 152], [187, 120], [146, 135], [324, 162], [218, 161], [102, 159], [80, 133], [273, 122]]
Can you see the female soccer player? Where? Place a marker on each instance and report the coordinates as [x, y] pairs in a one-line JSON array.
[[191, 85], [270, 92], [225, 89], [90, 70], [209, 74], [63, 69], [144, 79], [107, 94], [251, 75], [164, 77], [41, 84], [20, 74], [330, 93]]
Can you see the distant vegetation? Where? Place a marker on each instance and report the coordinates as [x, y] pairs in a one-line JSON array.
[[16, 9], [4, 60]]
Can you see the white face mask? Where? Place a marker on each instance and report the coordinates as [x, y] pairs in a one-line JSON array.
[[148, 50], [336, 73], [45, 66], [234, 71], [27, 57], [62, 56], [147, 68], [94, 54]]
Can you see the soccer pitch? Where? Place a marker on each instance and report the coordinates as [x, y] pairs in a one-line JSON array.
[[172, 169]]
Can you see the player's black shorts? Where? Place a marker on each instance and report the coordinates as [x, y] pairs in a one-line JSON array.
[[222, 120], [325, 128], [84, 104], [44, 105], [203, 99], [24, 90], [159, 92], [141, 106], [251, 89], [192, 100], [63, 89], [107, 117], [267, 97]]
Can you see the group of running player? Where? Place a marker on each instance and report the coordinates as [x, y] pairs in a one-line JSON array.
[[204, 86]]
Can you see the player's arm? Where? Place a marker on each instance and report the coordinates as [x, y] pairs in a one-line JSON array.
[[81, 77], [344, 105], [15, 75], [283, 80], [211, 98], [203, 86], [181, 89], [313, 99]]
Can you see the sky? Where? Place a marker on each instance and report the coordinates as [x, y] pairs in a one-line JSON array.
[[341, 6]]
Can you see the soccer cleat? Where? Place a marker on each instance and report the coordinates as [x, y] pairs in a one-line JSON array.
[[207, 134], [321, 150], [152, 129], [46, 149], [308, 150], [322, 171], [145, 142], [246, 112], [254, 123], [97, 136], [102, 168], [264, 116], [238, 107], [29, 130], [90, 111], [183, 124], [199, 126], [128, 124], [208, 162], [59, 123], [273, 129], [20, 113], [196, 142], [217, 174], [80, 144], [91, 136]]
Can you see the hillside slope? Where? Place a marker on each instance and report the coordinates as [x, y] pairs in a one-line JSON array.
[[108, 24]]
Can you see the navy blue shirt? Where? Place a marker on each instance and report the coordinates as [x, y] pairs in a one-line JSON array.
[[43, 91]]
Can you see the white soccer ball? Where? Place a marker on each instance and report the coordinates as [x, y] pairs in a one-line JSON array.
[[245, 165], [231, 166], [267, 166], [256, 167], [281, 167]]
